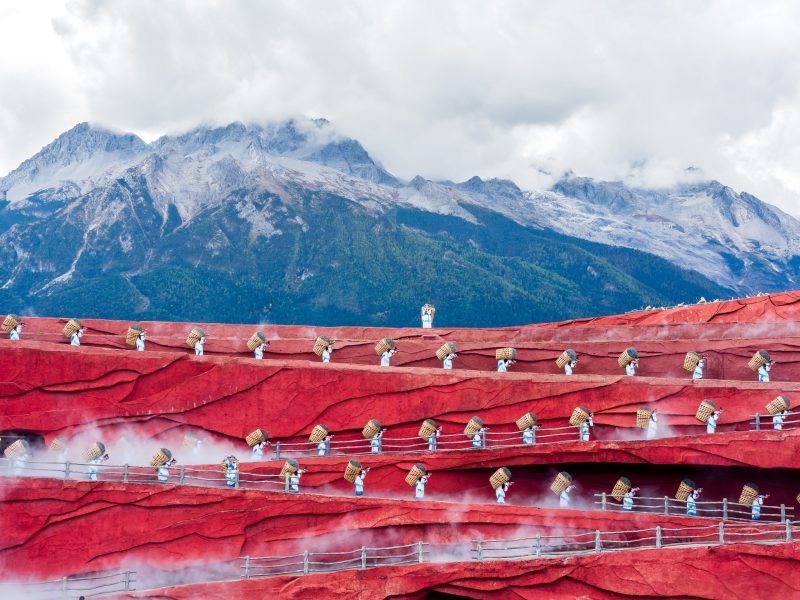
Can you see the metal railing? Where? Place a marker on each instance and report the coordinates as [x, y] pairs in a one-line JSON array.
[[87, 586], [712, 509], [766, 423]]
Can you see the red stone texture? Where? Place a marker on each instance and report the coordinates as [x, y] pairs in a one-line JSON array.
[[736, 572]]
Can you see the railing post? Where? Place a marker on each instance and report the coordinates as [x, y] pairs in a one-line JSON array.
[[725, 509], [783, 513], [125, 473], [181, 474], [286, 484], [64, 585], [597, 545], [66, 470], [758, 422], [127, 581], [721, 532], [305, 562], [538, 544], [278, 449], [658, 536], [420, 552], [788, 531], [247, 567], [483, 439], [666, 505], [236, 479], [479, 549], [363, 557], [603, 501]]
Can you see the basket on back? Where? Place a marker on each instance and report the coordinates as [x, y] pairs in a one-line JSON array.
[[320, 344], [499, 477], [161, 457], [417, 471], [749, 493], [352, 470], [525, 421], [474, 425], [319, 433], [59, 444], [798, 498], [686, 487], [9, 323], [705, 410], [18, 448], [71, 327], [562, 481], [384, 345], [447, 348], [690, 361], [643, 417], [256, 437], [289, 468], [194, 336], [579, 416], [189, 440], [96, 450], [505, 354], [780, 404], [621, 488], [759, 359], [372, 427], [134, 331], [256, 340], [628, 356], [566, 356], [427, 428]]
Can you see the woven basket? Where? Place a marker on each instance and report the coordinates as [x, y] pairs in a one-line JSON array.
[[71, 327], [706, 408], [161, 457], [58, 444], [473, 427], [629, 355], [417, 471], [622, 487], [352, 470], [780, 403], [256, 340], [643, 417], [505, 354], [189, 440], [427, 428], [194, 336], [566, 356], [256, 437], [499, 477], [759, 358], [9, 323], [318, 433], [384, 345], [798, 498], [579, 415], [17, 449], [372, 427], [562, 481], [133, 334], [446, 349], [422, 310], [320, 344], [749, 493], [686, 487], [96, 450], [525, 421], [290, 467], [690, 361]]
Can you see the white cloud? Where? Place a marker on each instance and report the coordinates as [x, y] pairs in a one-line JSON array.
[[635, 90]]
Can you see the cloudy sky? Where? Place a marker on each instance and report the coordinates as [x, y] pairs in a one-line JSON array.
[[525, 90]]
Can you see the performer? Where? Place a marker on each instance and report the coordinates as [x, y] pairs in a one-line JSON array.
[[778, 420], [294, 481], [569, 366], [13, 335], [698, 370], [478, 439], [652, 425], [691, 502], [500, 491], [763, 371], [563, 499], [711, 424], [419, 489], [447, 363], [427, 317], [386, 357], [503, 364], [627, 500], [140, 342], [198, 446], [584, 428], [198, 346], [376, 443], [258, 450], [163, 470], [359, 481], [259, 351], [93, 468], [326, 354], [19, 464], [756, 508], [432, 441], [630, 368], [529, 435], [231, 466], [75, 338], [324, 447]]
